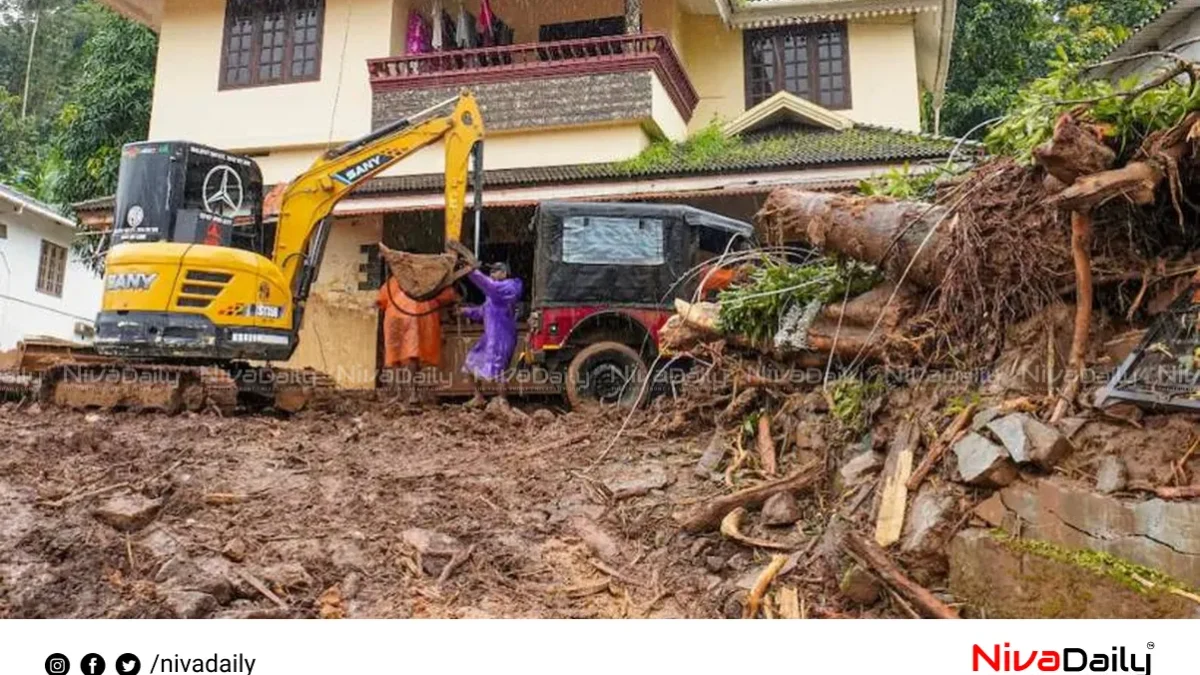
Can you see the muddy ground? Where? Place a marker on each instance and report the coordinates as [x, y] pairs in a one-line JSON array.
[[140, 515]]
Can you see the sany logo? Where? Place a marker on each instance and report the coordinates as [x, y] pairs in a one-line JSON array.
[[1069, 660], [359, 170], [130, 281]]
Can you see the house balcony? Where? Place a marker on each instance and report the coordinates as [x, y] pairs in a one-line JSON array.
[[570, 84]]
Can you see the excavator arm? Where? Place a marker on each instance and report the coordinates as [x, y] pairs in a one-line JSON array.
[[310, 198]]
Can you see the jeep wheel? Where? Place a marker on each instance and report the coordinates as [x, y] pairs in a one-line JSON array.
[[606, 372]]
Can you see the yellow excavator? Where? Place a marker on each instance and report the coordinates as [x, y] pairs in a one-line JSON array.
[[197, 286]]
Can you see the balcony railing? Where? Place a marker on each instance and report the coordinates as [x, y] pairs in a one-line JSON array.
[[651, 51]]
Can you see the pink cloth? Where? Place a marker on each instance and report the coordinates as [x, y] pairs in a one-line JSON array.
[[419, 39], [485, 18]]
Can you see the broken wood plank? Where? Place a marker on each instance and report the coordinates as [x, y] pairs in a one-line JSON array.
[[708, 515], [941, 445], [766, 446], [875, 558], [789, 603], [897, 468]]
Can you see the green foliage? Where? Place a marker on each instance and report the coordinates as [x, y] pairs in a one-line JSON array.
[[107, 106], [1031, 121], [1000, 45], [700, 149], [16, 150], [854, 402], [754, 309], [902, 183]]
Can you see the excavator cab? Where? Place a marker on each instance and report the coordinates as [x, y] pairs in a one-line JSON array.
[[189, 193]]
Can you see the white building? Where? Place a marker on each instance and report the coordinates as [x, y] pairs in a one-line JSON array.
[[1175, 29], [45, 290]]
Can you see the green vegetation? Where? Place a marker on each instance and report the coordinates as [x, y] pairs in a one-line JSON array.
[[854, 402], [754, 309], [1123, 571], [700, 149], [90, 87], [903, 183], [1039, 105], [1001, 45]]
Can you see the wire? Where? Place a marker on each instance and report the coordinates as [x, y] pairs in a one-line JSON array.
[[337, 92]]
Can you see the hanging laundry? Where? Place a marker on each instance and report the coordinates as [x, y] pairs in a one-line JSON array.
[[486, 17], [449, 30], [466, 32], [435, 40], [418, 41]]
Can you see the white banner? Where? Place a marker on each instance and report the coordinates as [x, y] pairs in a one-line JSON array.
[[157, 647]]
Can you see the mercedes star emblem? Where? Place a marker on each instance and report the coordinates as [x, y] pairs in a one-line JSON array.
[[135, 216], [222, 190]]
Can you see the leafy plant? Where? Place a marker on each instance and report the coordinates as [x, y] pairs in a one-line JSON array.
[[903, 183], [754, 309], [1031, 122], [853, 402]]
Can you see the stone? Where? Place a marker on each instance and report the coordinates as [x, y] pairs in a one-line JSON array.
[[288, 576], [542, 417], [714, 563], [128, 512], [1001, 579], [1049, 445], [714, 453], [781, 509], [625, 481], [235, 549], [930, 517], [1010, 430], [1069, 426], [860, 586], [809, 435], [189, 604], [428, 542], [1112, 475], [861, 467], [201, 576], [983, 463], [984, 417], [597, 540], [1155, 533]]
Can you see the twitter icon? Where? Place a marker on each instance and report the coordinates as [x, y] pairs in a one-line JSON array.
[[128, 664]]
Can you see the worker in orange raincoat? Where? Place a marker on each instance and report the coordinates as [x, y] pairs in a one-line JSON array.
[[412, 330]]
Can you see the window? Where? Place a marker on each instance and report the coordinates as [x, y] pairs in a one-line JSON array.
[[612, 241], [52, 266], [810, 61], [271, 42]]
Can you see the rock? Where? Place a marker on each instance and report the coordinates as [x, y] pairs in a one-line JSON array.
[[929, 520], [809, 435], [210, 576], [982, 462], [235, 549], [1112, 475], [1001, 579], [861, 467], [351, 585], [288, 576], [1030, 441], [189, 604], [625, 481], [983, 418], [542, 417], [781, 509], [160, 543], [714, 563], [860, 586], [597, 540], [713, 454], [428, 542], [128, 512], [1069, 426]]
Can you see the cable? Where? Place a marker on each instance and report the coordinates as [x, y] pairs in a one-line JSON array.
[[337, 91]]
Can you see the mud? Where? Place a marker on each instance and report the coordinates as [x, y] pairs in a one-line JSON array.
[[313, 509]]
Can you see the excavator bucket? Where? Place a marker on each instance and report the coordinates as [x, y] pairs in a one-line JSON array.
[[423, 276]]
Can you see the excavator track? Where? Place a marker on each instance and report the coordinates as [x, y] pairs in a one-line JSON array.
[[135, 386], [287, 390]]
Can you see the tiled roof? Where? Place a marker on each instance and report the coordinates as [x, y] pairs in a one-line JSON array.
[[1145, 35], [785, 148], [14, 195]]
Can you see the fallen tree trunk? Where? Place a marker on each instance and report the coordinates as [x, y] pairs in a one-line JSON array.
[[708, 516], [875, 230]]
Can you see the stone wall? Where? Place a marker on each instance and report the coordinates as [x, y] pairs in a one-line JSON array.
[[565, 101]]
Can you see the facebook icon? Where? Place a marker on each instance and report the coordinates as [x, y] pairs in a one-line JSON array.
[[92, 664]]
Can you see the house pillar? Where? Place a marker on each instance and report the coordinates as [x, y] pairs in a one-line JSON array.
[[633, 17]]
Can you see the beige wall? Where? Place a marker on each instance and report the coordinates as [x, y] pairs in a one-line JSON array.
[[187, 103], [883, 71], [341, 322]]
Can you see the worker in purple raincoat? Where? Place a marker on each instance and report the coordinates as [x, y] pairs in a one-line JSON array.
[[489, 357]]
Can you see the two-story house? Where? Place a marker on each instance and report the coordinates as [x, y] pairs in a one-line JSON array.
[[580, 100]]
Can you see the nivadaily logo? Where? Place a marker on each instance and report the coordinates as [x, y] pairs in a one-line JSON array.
[[1068, 660]]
